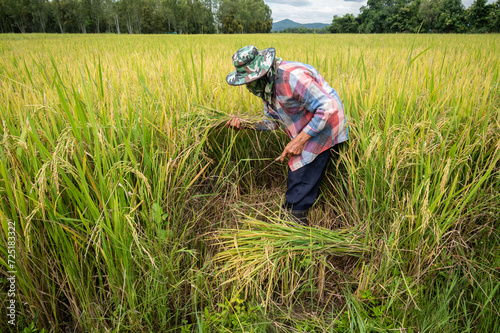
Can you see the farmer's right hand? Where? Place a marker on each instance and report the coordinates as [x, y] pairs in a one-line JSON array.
[[235, 123]]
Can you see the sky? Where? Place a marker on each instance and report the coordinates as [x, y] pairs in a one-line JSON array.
[[319, 11]]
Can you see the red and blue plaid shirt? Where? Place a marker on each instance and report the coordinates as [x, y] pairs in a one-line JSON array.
[[305, 102]]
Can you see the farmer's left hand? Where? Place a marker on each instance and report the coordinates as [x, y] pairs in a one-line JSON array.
[[234, 123], [294, 147]]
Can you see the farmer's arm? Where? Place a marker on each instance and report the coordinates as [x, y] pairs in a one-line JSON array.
[[295, 147], [316, 100], [268, 123]]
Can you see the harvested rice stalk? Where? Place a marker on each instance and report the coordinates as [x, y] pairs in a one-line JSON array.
[[208, 117], [260, 247]]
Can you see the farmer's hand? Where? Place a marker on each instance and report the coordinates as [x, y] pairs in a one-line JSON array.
[[294, 147], [235, 123]]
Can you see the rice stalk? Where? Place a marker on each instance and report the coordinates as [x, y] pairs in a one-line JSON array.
[[258, 247]]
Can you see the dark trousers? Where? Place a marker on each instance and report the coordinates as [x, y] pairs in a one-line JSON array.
[[303, 184]]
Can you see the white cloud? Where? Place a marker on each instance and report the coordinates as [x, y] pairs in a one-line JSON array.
[[296, 3], [320, 11]]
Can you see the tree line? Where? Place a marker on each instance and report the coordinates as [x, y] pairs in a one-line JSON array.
[[304, 30], [440, 16], [237, 16], [135, 16]]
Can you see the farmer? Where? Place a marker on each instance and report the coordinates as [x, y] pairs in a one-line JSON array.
[[296, 96]]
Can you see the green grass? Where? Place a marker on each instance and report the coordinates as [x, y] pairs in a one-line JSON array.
[[136, 210]]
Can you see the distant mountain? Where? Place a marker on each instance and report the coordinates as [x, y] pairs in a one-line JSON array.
[[284, 24]]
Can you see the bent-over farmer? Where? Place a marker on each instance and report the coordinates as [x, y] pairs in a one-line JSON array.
[[296, 96]]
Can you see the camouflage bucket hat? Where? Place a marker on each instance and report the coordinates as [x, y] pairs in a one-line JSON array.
[[251, 64]]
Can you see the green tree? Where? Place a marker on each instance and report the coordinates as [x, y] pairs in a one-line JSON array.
[[82, 10], [252, 15], [345, 24], [111, 14], [452, 17], [5, 22], [148, 21], [181, 15], [379, 15], [494, 17], [231, 25], [164, 18], [68, 16], [96, 13], [57, 14], [130, 11], [405, 18], [40, 12], [428, 14], [19, 13], [201, 19], [477, 16]]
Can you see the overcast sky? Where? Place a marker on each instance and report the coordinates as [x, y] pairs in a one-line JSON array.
[[321, 11]]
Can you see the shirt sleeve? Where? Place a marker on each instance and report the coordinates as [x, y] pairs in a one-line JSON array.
[[315, 99], [268, 122]]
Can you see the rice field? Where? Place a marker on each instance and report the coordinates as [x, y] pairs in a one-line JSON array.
[[136, 210]]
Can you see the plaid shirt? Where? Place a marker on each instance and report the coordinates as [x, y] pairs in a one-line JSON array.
[[305, 102]]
